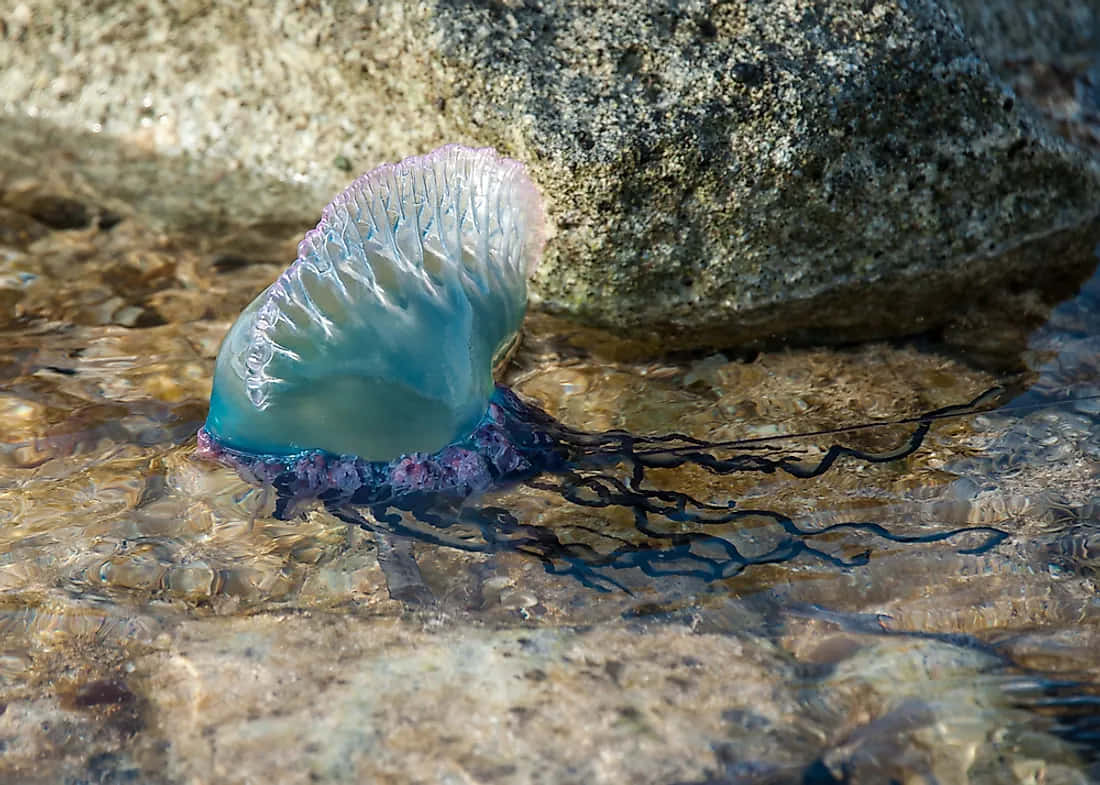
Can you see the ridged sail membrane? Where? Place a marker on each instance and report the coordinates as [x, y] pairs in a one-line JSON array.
[[379, 339]]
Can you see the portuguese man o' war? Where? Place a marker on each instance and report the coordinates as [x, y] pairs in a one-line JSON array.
[[362, 379], [399, 301]]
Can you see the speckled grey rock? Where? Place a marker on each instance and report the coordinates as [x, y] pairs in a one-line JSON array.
[[736, 171], [1049, 31], [716, 173]]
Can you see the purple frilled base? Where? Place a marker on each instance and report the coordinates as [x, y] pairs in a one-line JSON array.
[[509, 444]]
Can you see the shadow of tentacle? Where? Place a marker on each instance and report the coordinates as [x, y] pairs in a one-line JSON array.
[[673, 533]]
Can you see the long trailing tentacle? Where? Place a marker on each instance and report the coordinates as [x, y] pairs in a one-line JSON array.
[[608, 470], [587, 482], [691, 554], [497, 530], [672, 450]]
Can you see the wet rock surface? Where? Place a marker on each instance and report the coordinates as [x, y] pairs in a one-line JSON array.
[[717, 174]]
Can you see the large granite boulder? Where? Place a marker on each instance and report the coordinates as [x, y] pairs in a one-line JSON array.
[[715, 173]]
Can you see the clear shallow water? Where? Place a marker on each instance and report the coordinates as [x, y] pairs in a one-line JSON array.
[[157, 624]]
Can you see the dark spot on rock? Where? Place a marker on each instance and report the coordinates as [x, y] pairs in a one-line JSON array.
[[630, 62], [150, 317], [707, 28], [227, 263], [748, 74], [441, 104], [1016, 147], [817, 773], [109, 220], [643, 609], [726, 754], [614, 669], [629, 713], [62, 371], [585, 140], [1008, 104], [103, 763], [59, 212], [644, 154], [746, 719], [102, 692], [815, 670], [342, 163], [535, 675], [687, 282]]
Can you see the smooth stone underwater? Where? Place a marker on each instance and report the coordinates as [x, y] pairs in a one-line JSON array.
[[716, 173]]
